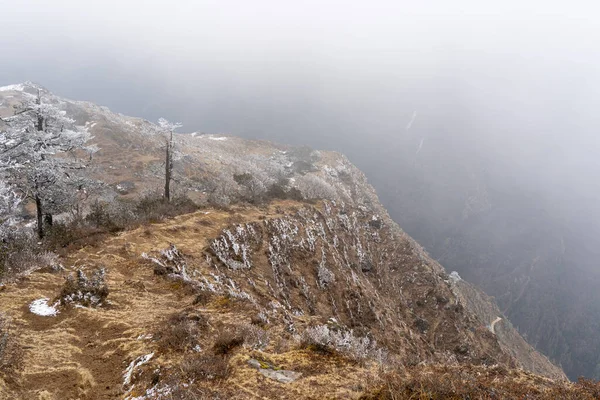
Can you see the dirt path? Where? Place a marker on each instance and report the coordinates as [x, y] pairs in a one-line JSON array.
[[493, 325], [81, 353]]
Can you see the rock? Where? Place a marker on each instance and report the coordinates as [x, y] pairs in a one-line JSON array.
[[125, 187], [254, 363], [281, 375]]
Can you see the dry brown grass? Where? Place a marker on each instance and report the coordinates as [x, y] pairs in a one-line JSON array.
[[442, 382], [226, 341], [78, 338], [11, 353], [206, 367], [182, 331]]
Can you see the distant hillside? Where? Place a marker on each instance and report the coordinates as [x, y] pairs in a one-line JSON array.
[[531, 244]]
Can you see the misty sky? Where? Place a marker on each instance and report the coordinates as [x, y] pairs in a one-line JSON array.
[[516, 80]]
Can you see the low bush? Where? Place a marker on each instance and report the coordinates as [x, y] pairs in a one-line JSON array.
[[182, 331], [254, 336], [205, 367], [227, 341], [119, 215], [326, 340], [88, 292], [21, 255]]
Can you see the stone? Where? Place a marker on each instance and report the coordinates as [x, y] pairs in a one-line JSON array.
[[279, 375]]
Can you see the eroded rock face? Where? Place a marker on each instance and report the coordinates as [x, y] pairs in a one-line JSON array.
[[329, 261]]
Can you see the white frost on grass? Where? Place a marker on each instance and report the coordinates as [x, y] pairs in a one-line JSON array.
[[212, 137], [17, 87], [41, 307], [141, 360], [455, 277], [155, 393]]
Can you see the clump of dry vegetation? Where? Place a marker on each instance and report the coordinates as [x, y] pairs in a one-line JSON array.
[[331, 340], [182, 331], [206, 367], [88, 292], [10, 351], [227, 341], [469, 382], [20, 255], [255, 337]]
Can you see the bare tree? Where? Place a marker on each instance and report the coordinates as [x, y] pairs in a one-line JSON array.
[[168, 128]]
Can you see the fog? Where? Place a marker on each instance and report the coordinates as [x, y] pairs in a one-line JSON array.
[[345, 75], [437, 101]]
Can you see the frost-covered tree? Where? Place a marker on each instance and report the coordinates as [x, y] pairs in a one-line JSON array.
[[9, 203], [167, 128], [41, 153]]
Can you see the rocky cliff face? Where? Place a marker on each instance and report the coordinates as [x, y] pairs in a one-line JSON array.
[[311, 264]]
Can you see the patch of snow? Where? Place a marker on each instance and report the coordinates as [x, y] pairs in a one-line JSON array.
[[41, 307], [213, 137], [138, 362], [155, 393]]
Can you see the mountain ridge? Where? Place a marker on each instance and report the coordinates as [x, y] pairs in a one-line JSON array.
[[329, 252]]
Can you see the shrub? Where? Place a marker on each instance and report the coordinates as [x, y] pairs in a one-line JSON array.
[[119, 215], [254, 336], [21, 255], [324, 339], [153, 208], [206, 367], [182, 391], [314, 187], [181, 331], [83, 290], [282, 190], [227, 341]]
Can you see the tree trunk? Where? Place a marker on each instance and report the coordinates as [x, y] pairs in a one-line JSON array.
[[168, 169], [40, 217], [40, 119]]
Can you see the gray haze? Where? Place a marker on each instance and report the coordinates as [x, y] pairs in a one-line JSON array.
[[420, 86], [519, 79]]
